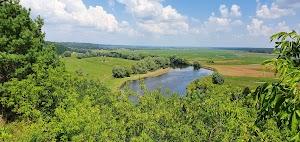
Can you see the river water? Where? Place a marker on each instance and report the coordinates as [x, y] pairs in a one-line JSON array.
[[175, 81]]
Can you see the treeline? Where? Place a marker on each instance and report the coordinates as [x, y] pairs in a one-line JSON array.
[[254, 50], [85, 53], [151, 64]]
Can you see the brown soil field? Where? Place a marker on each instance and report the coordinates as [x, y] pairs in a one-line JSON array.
[[253, 70]]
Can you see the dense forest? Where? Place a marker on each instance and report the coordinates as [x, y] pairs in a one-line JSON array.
[[41, 101]]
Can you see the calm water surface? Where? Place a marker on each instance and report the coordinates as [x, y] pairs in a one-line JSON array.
[[175, 81]]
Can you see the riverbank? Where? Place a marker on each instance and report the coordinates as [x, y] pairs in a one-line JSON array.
[[147, 75]]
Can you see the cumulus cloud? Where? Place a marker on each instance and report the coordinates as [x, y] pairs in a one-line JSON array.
[[233, 12], [226, 20], [272, 12], [153, 17], [73, 12], [258, 28]]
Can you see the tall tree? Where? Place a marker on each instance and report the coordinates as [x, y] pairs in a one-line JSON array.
[[24, 61], [21, 41]]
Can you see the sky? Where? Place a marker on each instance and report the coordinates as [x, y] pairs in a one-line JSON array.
[[183, 23]]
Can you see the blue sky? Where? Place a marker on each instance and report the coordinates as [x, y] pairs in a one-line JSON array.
[[197, 23]]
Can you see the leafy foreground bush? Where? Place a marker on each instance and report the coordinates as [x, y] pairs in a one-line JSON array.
[[217, 78], [280, 100]]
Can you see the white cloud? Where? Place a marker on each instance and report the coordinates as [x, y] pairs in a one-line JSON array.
[[153, 17], [258, 28], [73, 12], [288, 3], [225, 21], [224, 10], [235, 10], [273, 12]]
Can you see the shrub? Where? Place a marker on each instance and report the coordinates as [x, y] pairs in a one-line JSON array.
[[139, 68], [246, 91], [150, 64], [80, 55], [120, 72], [176, 61], [210, 62], [197, 65], [67, 54], [162, 62], [217, 79]]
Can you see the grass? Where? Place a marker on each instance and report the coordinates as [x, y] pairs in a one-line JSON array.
[[97, 68], [100, 69], [251, 82]]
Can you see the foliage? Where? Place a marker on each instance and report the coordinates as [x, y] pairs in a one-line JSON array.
[[280, 100], [217, 78], [177, 61], [21, 42], [120, 72], [150, 64], [246, 91], [197, 65], [67, 54], [162, 62], [80, 55]]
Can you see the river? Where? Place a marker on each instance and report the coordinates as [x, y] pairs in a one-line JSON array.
[[174, 81]]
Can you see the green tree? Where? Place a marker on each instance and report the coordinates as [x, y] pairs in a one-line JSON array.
[[67, 54], [197, 65], [21, 42], [120, 72], [25, 61]]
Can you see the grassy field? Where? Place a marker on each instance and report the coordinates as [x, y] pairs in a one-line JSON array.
[[100, 69], [97, 68], [239, 68]]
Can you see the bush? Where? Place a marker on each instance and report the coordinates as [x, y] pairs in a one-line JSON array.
[[139, 68], [162, 62], [176, 61], [210, 62], [197, 65], [67, 54], [80, 55], [246, 91], [217, 79], [120, 72]]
